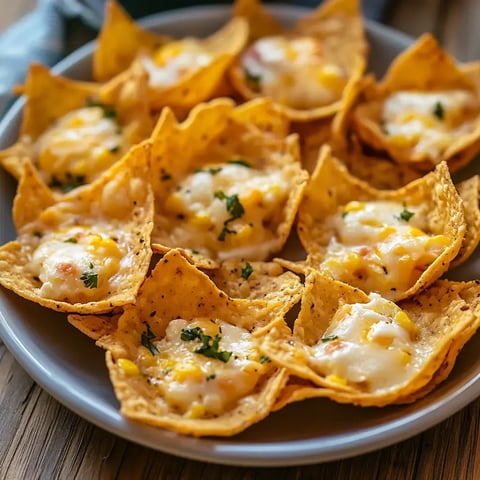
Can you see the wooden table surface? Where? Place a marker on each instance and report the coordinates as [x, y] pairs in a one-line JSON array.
[[39, 438]]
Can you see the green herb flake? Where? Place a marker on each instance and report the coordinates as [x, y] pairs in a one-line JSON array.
[[210, 170], [241, 162], [247, 270], [147, 337], [90, 278], [406, 215], [253, 78], [108, 111], [71, 182], [195, 252], [209, 346], [212, 376], [234, 208], [70, 240], [264, 359], [439, 111], [115, 149], [344, 214], [330, 338]]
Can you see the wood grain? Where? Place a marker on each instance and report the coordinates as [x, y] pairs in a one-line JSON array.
[[40, 439]]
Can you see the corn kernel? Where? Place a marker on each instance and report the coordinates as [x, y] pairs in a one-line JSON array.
[[416, 232], [174, 203], [437, 241], [336, 379], [197, 410], [208, 327], [386, 232], [128, 366], [75, 122], [49, 217], [201, 220], [331, 77], [164, 54], [405, 357], [187, 371], [406, 323], [353, 207]]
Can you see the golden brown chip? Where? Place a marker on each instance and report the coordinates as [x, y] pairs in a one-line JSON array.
[[369, 351], [421, 119], [182, 72], [392, 242], [73, 131], [306, 69], [119, 43], [223, 187], [258, 280], [89, 252], [469, 191], [186, 357], [95, 326]]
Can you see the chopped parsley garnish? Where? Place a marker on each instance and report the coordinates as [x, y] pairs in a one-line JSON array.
[[108, 111], [70, 240], [89, 278], [264, 359], [212, 376], [209, 346], [71, 182], [210, 170], [241, 162], [234, 208], [329, 338], [147, 337], [438, 111], [165, 176], [115, 149], [406, 215], [38, 234], [247, 270], [344, 214], [195, 251], [253, 78]]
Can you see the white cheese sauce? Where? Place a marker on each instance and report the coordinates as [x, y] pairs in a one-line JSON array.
[[293, 71], [380, 246]]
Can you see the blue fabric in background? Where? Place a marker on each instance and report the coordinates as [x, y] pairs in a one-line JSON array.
[[40, 35]]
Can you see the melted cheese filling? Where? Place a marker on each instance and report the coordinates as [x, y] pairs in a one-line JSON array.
[[79, 147], [293, 71], [369, 345], [175, 60], [428, 123], [75, 264], [196, 385], [199, 207], [380, 246]]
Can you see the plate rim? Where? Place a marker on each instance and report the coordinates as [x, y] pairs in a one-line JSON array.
[[271, 454]]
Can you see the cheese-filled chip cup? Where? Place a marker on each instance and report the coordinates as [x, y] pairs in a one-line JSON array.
[[423, 118], [305, 69], [73, 131], [88, 253], [186, 356], [182, 72], [224, 188], [393, 242], [365, 349]]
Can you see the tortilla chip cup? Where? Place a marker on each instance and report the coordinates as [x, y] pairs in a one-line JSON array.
[[182, 72], [365, 350], [223, 187], [425, 118], [393, 242], [306, 69], [88, 253], [73, 131], [187, 358]]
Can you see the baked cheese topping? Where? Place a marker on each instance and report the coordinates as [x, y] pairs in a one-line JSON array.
[[175, 60], [201, 368], [293, 71], [75, 264], [79, 147], [368, 345], [428, 123], [380, 246], [228, 210]]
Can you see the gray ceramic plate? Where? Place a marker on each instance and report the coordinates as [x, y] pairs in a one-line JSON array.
[[71, 368]]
